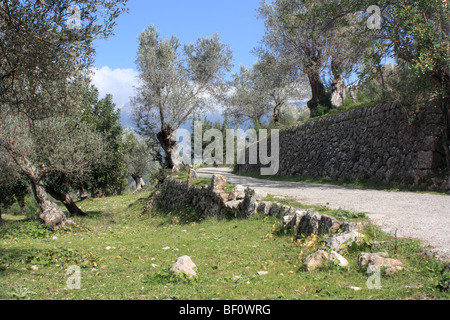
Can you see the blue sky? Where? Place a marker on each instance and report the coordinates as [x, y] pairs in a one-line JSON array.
[[234, 20]]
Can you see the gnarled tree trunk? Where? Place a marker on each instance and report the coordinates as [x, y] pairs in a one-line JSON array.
[[49, 212], [68, 202], [318, 92], [276, 112], [338, 88], [168, 145], [137, 177]]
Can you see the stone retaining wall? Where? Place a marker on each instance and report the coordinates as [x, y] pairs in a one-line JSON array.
[[379, 143]]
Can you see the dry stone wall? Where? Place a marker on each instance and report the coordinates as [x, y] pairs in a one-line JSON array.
[[379, 143]]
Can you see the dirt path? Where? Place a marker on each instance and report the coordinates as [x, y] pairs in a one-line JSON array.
[[414, 215]]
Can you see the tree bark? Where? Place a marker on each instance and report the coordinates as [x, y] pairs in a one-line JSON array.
[[318, 92], [68, 202], [168, 145], [49, 212], [139, 180], [338, 89], [276, 112], [21, 202]]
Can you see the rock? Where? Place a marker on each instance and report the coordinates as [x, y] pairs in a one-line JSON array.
[[337, 240], [218, 182], [316, 260], [309, 224], [336, 256], [249, 205], [260, 194], [276, 207], [264, 207], [352, 226], [284, 211], [293, 221], [393, 271], [193, 175], [377, 260], [233, 205], [238, 193], [184, 266], [329, 224]]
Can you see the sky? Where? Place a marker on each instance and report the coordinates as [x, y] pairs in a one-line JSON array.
[[234, 21]]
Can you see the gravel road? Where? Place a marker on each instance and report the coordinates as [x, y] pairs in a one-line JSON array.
[[414, 215]]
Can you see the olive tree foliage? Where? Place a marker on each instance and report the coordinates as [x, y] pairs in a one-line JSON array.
[[414, 33], [307, 34], [263, 90], [104, 117], [13, 186], [176, 81], [291, 35], [243, 102], [139, 156], [44, 60]]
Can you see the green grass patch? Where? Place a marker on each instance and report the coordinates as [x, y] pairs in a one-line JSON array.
[[340, 214], [126, 255]]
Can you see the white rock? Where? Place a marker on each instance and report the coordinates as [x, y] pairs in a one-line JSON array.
[[336, 256], [336, 241], [184, 265]]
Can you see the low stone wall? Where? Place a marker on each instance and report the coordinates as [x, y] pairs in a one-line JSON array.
[[243, 203], [377, 143]]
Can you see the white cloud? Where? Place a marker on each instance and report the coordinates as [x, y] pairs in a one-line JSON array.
[[118, 82]]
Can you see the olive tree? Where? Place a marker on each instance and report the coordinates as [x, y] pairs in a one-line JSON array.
[[45, 56], [175, 82], [138, 156], [265, 88]]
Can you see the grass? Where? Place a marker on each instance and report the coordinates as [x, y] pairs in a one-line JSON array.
[[124, 255], [340, 214], [183, 176]]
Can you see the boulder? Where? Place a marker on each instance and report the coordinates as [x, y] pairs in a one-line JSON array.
[[275, 209], [378, 260], [218, 182], [336, 256], [264, 207], [353, 226], [316, 260], [193, 175], [309, 224], [392, 271], [249, 205], [233, 205], [184, 266], [346, 238], [329, 224], [285, 211], [238, 193]]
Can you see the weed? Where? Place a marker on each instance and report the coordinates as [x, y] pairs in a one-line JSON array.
[[21, 292]]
